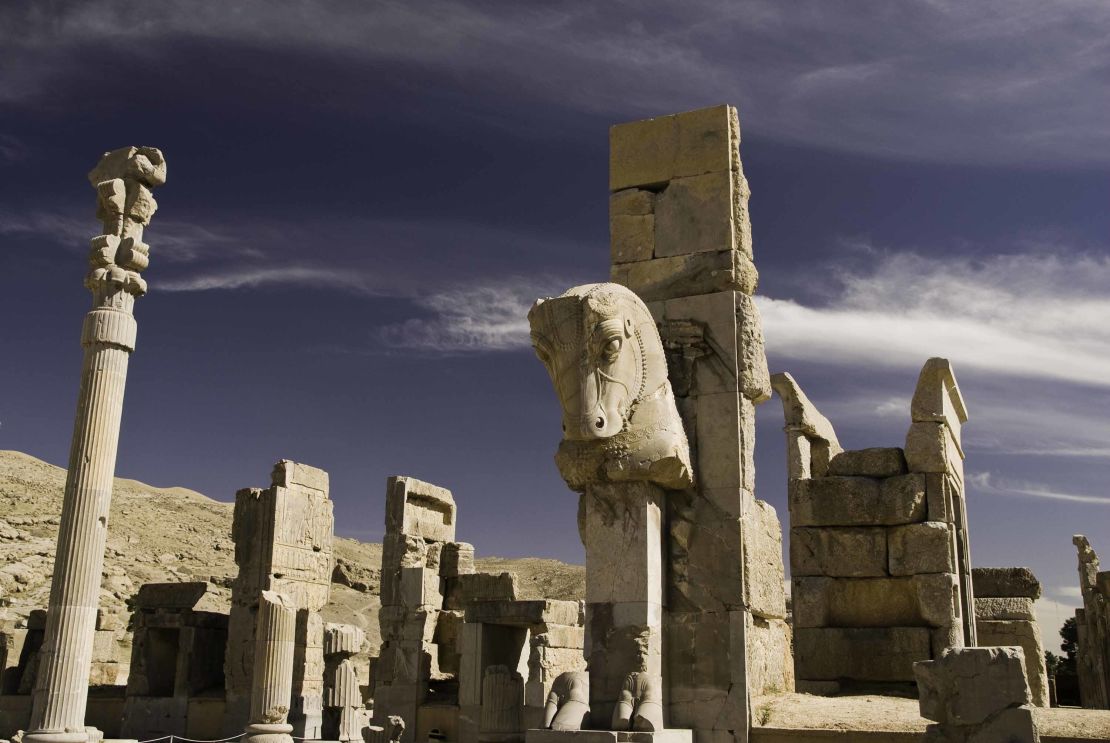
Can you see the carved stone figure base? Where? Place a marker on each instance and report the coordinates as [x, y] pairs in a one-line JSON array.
[[44, 736], [268, 733], [671, 735]]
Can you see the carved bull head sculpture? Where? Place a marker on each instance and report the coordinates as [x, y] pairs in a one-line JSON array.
[[601, 347]]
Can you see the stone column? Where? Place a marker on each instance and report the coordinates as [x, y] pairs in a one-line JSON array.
[[122, 179], [275, 635]]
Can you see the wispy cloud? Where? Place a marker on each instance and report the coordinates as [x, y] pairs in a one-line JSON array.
[[491, 317], [254, 278], [12, 148], [1016, 82], [990, 484], [1038, 316]]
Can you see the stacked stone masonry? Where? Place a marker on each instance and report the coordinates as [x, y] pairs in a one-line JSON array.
[[1005, 616], [283, 543], [878, 542], [1093, 625]]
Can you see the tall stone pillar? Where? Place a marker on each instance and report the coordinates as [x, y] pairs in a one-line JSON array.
[[123, 180], [275, 634]]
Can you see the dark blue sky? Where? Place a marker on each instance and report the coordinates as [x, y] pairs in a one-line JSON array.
[[364, 198]]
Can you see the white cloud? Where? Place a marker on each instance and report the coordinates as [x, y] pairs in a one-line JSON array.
[[990, 484], [254, 278], [1018, 82], [1038, 316], [492, 317]]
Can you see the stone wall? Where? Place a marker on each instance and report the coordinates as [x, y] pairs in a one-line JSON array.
[[1093, 625], [1004, 616], [283, 543], [878, 543], [680, 237]]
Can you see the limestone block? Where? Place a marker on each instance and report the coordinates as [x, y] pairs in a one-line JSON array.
[[704, 542], [802, 416], [857, 501], [1026, 635], [420, 588], [456, 558], [651, 152], [419, 509], [290, 474], [764, 595], [876, 462], [927, 547], [1016, 607], [839, 552], [940, 494], [479, 587], [399, 551], [560, 636], [1005, 583], [711, 321], [938, 599], [919, 601], [525, 613], [770, 659], [345, 639], [695, 215], [631, 238], [686, 275], [862, 654], [631, 202], [966, 686], [755, 381], [621, 528], [937, 398], [931, 448]]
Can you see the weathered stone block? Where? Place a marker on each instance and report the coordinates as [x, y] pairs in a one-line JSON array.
[[770, 660], [763, 571], [857, 501], [1004, 608], [841, 552], [420, 589], [456, 558], [687, 275], [479, 587], [1027, 636], [695, 215], [631, 238], [937, 398], [927, 547], [1005, 583], [931, 448], [561, 636], [938, 599], [876, 462], [419, 509], [654, 151], [755, 380], [966, 686], [524, 613], [291, 474], [862, 654]]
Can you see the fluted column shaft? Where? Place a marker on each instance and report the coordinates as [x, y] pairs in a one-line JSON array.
[[123, 180], [275, 635]]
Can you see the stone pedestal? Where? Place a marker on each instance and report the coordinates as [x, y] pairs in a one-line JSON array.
[[275, 635], [608, 736], [621, 528], [123, 180]]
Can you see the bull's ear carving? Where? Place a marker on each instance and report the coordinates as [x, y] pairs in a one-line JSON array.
[[601, 347]]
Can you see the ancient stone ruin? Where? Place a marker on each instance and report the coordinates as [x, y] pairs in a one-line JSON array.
[[878, 543], [683, 633], [1093, 624]]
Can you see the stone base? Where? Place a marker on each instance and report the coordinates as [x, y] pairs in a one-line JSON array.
[[670, 735], [268, 733]]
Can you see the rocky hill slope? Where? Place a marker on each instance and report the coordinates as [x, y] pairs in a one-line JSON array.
[[160, 535]]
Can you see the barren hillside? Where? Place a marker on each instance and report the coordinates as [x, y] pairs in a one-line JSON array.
[[175, 534]]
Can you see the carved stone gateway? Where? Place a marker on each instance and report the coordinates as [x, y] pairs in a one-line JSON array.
[[123, 180]]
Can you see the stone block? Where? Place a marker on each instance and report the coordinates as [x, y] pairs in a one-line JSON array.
[[857, 501], [940, 497], [713, 317], [938, 601], [524, 613], [1005, 583], [420, 509], [561, 636], [1005, 608], [631, 202], [876, 462], [966, 686], [670, 735], [695, 215], [770, 660], [456, 558], [928, 547], [931, 448], [651, 152], [763, 571], [755, 379], [861, 654], [839, 552], [479, 587], [343, 638], [631, 238], [1026, 635], [921, 601], [291, 474], [420, 589], [621, 527], [937, 398], [687, 275]]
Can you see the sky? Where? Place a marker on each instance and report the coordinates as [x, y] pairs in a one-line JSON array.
[[364, 198]]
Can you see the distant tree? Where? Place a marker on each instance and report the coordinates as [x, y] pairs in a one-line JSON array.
[[1070, 645], [1052, 662]]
